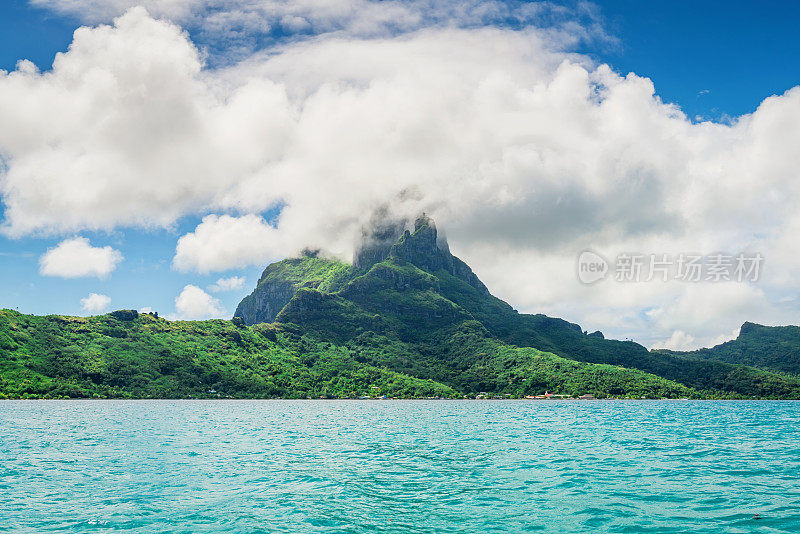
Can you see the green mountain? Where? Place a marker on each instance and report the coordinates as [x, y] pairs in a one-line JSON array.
[[406, 319], [428, 314], [776, 348]]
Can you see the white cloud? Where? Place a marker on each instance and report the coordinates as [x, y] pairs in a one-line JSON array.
[[224, 242], [682, 341], [76, 257], [524, 153], [227, 284], [165, 146], [679, 340], [722, 338], [194, 304], [95, 303]]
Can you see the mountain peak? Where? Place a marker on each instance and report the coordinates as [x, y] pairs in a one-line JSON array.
[[423, 221], [421, 247], [384, 239], [749, 328], [384, 233], [428, 250]]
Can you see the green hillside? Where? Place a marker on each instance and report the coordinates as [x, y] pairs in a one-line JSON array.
[[128, 355], [141, 356], [776, 348]]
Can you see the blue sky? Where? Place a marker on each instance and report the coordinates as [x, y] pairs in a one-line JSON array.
[[715, 60]]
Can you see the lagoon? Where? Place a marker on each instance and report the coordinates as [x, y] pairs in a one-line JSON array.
[[399, 466]]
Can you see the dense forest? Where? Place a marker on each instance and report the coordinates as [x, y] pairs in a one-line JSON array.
[[128, 355]]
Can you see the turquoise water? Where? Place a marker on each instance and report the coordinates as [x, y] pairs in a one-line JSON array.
[[399, 466]]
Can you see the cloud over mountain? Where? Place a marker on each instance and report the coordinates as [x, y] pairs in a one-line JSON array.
[[525, 153]]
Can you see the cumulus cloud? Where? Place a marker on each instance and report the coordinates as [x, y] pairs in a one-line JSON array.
[[227, 284], [224, 242], [194, 304], [76, 257], [165, 146], [95, 303], [525, 153]]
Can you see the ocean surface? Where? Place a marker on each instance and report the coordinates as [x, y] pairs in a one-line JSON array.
[[399, 466]]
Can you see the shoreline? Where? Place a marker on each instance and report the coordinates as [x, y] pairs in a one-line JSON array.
[[537, 401]]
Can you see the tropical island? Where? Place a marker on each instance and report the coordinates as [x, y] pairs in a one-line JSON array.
[[407, 319]]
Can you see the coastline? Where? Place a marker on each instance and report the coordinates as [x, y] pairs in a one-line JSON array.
[[408, 399]]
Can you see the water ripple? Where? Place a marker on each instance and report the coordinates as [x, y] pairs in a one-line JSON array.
[[399, 466]]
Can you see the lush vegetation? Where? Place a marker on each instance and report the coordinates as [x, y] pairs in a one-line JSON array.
[[418, 323], [149, 357], [776, 348], [310, 270]]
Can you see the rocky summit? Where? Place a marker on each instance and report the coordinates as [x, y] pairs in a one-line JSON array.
[[385, 241]]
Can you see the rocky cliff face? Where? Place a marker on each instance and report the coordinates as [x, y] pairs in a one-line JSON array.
[[280, 281], [264, 304], [425, 249]]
